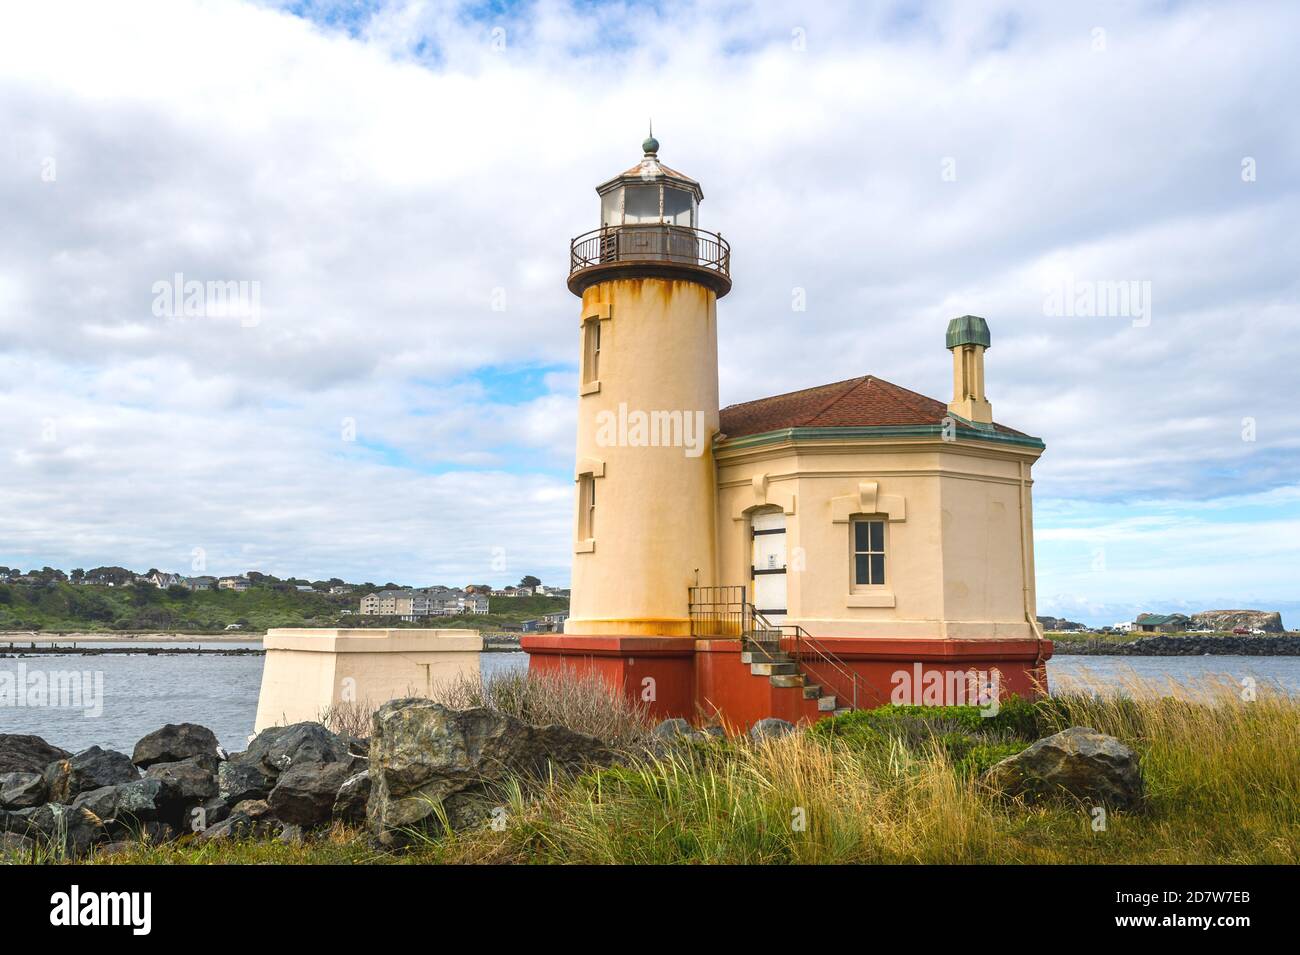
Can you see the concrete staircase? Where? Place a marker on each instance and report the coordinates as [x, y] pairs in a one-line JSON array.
[[762, 651]]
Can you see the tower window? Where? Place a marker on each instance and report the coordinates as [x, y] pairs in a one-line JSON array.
[[586, 506], [868, 553], [591, 351]]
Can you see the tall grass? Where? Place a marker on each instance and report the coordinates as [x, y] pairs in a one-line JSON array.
[[1223, 780]]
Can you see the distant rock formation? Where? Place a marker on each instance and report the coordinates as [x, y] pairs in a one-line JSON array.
[[1270, 621], [1059, 623]]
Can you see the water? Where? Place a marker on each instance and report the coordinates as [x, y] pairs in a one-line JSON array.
[[141, 693]]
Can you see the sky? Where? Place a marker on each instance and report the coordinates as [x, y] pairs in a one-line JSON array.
[[391, 395]]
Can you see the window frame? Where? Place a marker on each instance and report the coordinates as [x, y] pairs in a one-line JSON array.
[[854, 553]]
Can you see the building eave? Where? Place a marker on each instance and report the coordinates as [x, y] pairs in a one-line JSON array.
[[879, 433]]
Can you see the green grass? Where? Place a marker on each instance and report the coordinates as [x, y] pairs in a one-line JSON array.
[[64, 607], [892, 786]]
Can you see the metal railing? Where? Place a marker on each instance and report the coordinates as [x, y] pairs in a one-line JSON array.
[[655, 242], [719, 613], [726, 613]]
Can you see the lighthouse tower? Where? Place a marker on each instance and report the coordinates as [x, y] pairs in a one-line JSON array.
[[645, 486]]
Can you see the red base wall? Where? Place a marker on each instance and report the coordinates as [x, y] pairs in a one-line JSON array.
[[704, 681]]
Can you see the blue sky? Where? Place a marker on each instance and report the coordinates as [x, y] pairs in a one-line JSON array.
[[402, 177]]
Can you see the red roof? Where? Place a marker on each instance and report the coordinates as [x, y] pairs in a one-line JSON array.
[[865, 402]]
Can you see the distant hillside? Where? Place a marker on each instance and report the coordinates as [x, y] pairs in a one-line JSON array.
[[60, 606]]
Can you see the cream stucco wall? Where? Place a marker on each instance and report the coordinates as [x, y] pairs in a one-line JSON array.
[[959, 549], [306, 670], [654, 516]]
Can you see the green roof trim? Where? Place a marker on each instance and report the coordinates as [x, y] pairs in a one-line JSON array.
[[881, 431], [968, 330]]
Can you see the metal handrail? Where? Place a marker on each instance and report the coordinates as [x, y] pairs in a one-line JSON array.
[[801, 639], [652, 242], [725, 613]]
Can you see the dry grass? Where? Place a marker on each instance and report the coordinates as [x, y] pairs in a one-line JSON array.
[[582, 702]]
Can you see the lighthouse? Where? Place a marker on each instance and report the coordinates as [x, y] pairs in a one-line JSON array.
[[644, 481], [841, 546]]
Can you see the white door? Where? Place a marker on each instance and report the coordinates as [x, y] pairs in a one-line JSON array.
[[768, 567]]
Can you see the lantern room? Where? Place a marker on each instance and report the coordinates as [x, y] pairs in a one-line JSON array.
[[650, 194]]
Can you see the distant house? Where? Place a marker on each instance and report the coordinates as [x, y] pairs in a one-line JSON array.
[[198, 583], [238, 584], [343, 589], [161, 580], [305, 588], [1161, 622]]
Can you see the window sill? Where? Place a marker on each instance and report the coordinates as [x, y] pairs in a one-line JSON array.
[[585, 546], [590, 388], [882, 599]]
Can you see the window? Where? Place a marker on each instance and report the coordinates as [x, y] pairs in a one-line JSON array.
[[868, 553], [641, 204], [586, 506], [679, 207], [590, 351]]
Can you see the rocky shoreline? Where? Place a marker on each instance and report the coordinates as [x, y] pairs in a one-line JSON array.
[[1188, 646]]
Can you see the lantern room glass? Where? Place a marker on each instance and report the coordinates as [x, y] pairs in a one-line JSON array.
[[647, 204]]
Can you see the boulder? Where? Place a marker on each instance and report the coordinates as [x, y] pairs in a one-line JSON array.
[[22, 790], [1077, 762], [280, 747], [190, 781], [235, 826], [90, 769], [14, 846], [253, 808], [770, 728], [350, 804], [140, 800], [305, 793], [238, 781], [424, 755], [173, 743], [673, 729], [27, 754], [72, 831]]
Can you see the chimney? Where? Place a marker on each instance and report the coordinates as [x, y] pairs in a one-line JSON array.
[[968, 337]]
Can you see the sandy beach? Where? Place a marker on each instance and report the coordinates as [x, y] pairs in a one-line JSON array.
[[20, 636]]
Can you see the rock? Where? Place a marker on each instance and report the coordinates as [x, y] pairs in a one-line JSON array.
[[253, 808], [189, 781], [350, 804], [140, 800], [174, 743], [235, 826], [238, 781], [90, 769], [770, 728], [290, 834], [278, 748], [13, 846], [65, 829], [22, 790], [27, 754], [424, 755], [1078, 762], [304, 794], [673, 729]]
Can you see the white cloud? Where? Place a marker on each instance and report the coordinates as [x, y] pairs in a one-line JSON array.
[[387, 179]]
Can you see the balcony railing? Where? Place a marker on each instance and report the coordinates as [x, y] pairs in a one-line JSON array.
[[655, 243]]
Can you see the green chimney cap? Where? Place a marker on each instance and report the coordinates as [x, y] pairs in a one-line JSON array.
[[968, 330]]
